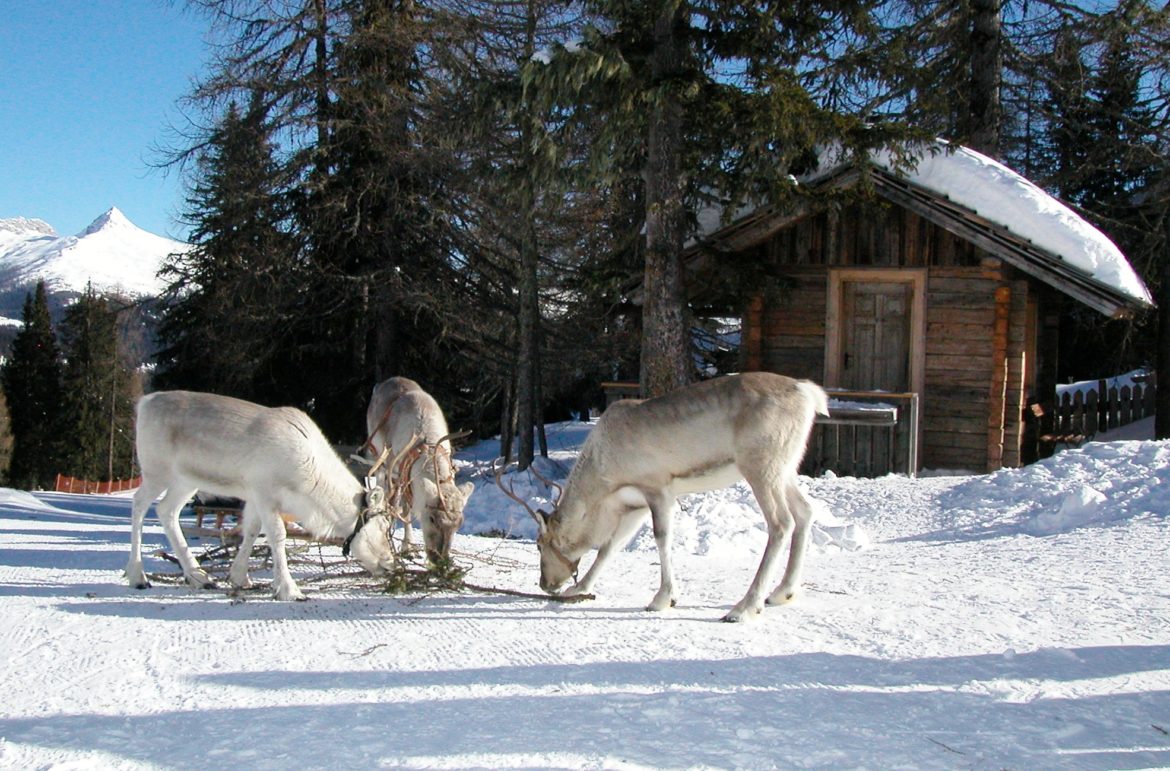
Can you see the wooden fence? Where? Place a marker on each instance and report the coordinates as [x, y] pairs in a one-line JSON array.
[[67, 484], [1091, 411]]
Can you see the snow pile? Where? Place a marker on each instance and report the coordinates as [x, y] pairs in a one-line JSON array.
[[1099, 484], [1126, 380], [112, 254]]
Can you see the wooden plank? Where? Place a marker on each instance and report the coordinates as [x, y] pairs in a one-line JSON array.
[[975, 441], [972, 347], [958, 363], [936, 315]]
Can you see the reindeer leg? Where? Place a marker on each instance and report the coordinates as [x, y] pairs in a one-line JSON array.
[[145, 495], [803, 515], [627, 526], [661, 517], [780, 524], [168, 514], [585, 585], [250, 528], [407, 536], [284, 585]]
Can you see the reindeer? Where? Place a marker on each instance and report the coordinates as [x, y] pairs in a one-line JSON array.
[[643, 454], [404, 417], [274, 459]]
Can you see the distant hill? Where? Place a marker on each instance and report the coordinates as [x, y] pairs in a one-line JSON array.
[[113, 254]]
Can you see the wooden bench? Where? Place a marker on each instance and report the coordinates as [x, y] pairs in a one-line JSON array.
[[1051, 439]]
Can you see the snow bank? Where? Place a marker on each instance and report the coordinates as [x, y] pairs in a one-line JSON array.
[[1100, 484]]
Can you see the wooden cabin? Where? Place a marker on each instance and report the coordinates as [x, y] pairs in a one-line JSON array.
[[913, 299]]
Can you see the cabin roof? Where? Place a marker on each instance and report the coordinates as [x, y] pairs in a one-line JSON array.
[[983, 201]]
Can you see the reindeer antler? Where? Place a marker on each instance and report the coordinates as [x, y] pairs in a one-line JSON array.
[[548, 483], [453, 436], [377, 464], [511, 493]]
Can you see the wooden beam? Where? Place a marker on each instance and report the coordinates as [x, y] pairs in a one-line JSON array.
[[997, 396]]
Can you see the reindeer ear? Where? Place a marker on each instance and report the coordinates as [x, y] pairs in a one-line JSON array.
[[466, 489]]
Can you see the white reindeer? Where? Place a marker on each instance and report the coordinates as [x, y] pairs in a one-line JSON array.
[[643, 454], [405, 418], [274, 459]]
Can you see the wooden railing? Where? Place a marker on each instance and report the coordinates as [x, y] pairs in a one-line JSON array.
[[67, 484], [1111, 404], [866, 434]]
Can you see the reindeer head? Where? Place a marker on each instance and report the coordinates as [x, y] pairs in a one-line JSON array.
[[443, 515], [371, 542], [555, 568]]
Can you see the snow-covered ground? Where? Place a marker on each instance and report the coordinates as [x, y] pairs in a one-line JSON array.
[[1013, 620]]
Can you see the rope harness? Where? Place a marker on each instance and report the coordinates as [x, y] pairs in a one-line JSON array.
[[400, 476], [545, 543], [403, 473]]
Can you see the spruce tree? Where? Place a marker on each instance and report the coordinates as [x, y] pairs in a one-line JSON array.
[[98, 414], [32, 386], [225, 304]]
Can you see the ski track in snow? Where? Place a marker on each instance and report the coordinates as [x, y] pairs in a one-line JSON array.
[[963, 635]]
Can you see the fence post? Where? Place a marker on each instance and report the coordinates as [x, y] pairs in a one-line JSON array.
[[1064, 414]]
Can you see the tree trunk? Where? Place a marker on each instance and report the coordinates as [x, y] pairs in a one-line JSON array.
[[665, 346], [984, 114], [1162, 396], [508, 419], [528, 408], [528, 356]]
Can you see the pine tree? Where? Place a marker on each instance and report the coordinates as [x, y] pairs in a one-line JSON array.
[[98, 406], [32, 386], [224, 314]]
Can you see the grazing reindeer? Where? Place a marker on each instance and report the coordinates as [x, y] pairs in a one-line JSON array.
[[274, 459], [644, 454], [404, 417]]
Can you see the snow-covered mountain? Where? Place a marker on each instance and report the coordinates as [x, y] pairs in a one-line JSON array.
[[113, 254]]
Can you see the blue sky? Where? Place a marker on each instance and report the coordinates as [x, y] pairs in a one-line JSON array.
[[87, 89]]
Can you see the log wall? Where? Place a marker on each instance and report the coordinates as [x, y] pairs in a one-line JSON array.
[[980, 324]]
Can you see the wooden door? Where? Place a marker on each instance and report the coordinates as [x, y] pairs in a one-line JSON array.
[[874, 353], [875, 344]]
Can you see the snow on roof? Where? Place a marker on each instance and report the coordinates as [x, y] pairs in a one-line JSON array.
[[996, 193]]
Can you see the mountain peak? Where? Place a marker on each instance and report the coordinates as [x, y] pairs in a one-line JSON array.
[[25, 226], [112, 255], [112, 218]]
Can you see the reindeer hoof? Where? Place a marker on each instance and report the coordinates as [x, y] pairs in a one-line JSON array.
[[201, 580], [736, 615], [782, 597], [140, 585], [659, 605]]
